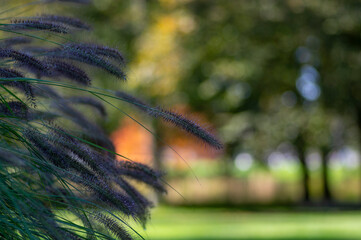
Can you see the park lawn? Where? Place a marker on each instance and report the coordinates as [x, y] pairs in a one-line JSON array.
[[202, 223], [176, 223]]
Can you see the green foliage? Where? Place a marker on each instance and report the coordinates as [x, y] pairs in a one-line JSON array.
[[240, 63]]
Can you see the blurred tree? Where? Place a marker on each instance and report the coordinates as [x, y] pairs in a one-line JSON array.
[[241, 62], [338, 35], [273, 71], [242, 57]]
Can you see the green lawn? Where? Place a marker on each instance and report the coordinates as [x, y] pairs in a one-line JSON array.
[[186, 223], [228, 224]]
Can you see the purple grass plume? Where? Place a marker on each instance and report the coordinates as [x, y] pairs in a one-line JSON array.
[[67, 70], [23, 86], [100, 50], [91, 131], [142, 173], [175, 119], [113, 226], [49, 151], [9, 42], [87, 56], [24, 59], [69, 21], [14, 109], [37, 24]]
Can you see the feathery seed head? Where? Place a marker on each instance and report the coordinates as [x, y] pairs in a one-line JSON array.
[[70, 21], [173, 118], [50, 152], [100, 50], [9, 42], [67, 70], [37, 24], [14, 109], [21, 85], [113, 226], [25, 60], [88, 56]]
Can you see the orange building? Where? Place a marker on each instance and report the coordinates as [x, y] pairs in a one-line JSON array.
[[134, 142]]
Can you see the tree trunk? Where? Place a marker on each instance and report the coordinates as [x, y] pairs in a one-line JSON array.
[[305, 177], [157, 152], [359, 130], [326, 194], [157, 146], [301, 150]]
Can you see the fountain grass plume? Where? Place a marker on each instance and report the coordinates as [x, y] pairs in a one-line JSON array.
[[98, 184], [50, 152], [9, 42], [14, 109], [91, 130], [175, 119], [100, 50], [142, 173], [69, 21], [25, 87], [27, 61], [67, 70], [37, 24], [113, 226], [87, 56]]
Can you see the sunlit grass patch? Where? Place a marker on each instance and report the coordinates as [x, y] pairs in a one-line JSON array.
[[188, 223]]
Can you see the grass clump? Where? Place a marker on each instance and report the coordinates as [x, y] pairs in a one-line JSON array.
[[51, 154]]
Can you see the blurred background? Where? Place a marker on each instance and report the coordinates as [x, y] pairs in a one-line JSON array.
[[277, 81]]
